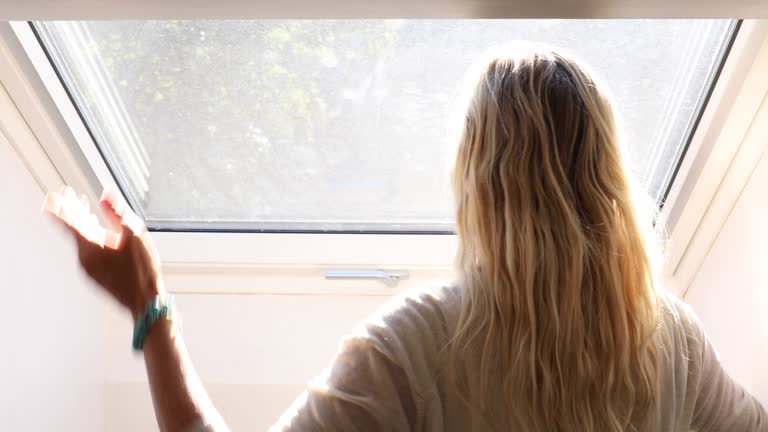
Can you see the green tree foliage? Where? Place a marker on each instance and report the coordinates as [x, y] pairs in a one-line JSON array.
[[242, 99]]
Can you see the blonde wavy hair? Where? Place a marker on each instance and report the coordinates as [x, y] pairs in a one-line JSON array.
[[559, 305]]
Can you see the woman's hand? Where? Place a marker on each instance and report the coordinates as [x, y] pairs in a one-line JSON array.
[[120, 258]]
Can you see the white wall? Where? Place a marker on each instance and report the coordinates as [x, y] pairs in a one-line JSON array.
[[730, 291], [50, 316], [255, 354]]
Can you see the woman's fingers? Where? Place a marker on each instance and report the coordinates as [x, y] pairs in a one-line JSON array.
[[114, 204], [113, 220], [111, 198], [74, 212], [115, 232], [129, 271], [52, 203]]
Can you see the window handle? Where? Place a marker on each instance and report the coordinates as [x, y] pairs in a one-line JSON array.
[[390, 276]]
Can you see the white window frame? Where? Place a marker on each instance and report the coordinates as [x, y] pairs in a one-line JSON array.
[[38, 116], [721, 157]]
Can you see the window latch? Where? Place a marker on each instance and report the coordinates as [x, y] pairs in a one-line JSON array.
[[388, 276]]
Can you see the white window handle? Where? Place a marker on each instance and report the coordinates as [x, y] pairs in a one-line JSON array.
[[392, 276]]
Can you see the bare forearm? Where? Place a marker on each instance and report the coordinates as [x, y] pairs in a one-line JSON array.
[[178, 395], [122, 259]]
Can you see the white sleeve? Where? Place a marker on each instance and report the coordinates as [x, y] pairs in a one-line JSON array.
[[379, 377], [364, 390], [721, 403]]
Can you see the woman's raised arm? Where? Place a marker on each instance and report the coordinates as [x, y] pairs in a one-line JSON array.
[[122, 259]]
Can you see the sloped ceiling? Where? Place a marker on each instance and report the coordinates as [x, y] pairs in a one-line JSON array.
[[180, 9]]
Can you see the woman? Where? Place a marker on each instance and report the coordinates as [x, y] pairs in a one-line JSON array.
[[555, 322]]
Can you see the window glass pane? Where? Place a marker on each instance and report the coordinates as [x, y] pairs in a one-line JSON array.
[[341, 124]]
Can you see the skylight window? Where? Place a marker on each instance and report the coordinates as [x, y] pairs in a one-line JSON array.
[[342, 125]]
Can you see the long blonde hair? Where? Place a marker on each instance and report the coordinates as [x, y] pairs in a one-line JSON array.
[[559, 300]]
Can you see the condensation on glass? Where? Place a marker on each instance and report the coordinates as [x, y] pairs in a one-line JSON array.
[[342, 125]]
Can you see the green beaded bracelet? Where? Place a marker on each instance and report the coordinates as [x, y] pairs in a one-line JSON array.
[[154, 312]]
